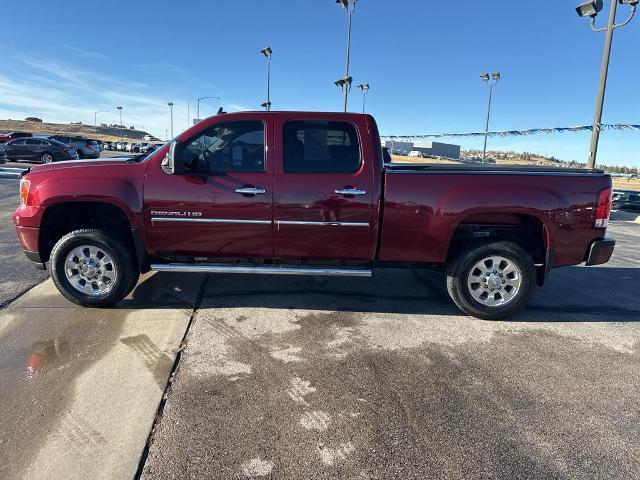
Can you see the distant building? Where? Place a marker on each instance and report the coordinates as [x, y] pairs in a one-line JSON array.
[[431, 149]]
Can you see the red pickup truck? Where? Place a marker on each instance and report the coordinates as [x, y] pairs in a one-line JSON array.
[[308, 193]]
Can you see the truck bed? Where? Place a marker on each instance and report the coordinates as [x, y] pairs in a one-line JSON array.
[[487, 168]]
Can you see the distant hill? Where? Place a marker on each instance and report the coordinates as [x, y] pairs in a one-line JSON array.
[[101, 133]]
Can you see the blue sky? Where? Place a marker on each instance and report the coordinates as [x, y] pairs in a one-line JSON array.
[[63, 60]]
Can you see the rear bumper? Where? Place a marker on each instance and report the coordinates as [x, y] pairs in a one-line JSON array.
[[600, 251]]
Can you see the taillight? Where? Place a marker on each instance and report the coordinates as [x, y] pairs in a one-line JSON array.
[[24, 191], [64, 149], [604, 208]]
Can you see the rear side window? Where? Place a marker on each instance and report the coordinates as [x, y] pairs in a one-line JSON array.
[[33, 141], [321, 147], [17, 143]]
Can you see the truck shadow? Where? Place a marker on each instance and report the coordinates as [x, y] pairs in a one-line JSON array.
[[571, 294]]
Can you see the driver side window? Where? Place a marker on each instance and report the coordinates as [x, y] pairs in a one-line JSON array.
[[227, 147]]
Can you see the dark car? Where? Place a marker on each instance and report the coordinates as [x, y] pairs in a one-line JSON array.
[[7, 137], [86, 147], [3, 155], [45, 150], [626, 201]]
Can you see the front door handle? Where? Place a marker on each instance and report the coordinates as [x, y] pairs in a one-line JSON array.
[[251, 191], [351, 191]]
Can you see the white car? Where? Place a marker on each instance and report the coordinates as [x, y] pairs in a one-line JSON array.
[[416, 154]]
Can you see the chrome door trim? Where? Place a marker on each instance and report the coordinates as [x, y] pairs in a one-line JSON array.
[[351, 191], [324, 224], [251, 191], [325, 272], [211, 220]]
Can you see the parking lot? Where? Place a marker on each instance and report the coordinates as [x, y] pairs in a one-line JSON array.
[[319, 378]]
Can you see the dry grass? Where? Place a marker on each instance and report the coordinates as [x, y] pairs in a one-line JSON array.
[[106, 134], [434, 161], [626, 184]]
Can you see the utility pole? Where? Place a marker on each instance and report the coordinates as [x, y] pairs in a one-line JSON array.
[[267, 52], [95, 120], [204, 98]]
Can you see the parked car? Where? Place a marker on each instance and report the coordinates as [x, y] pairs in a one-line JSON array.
[[416, 154], [106, 145], [627, 201], [278, 189], [86, 147], [386, 155], [3, 155], [45, 150], [6, 137], [121, 146]]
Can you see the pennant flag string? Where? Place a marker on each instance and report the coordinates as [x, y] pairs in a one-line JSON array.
[[513, 133]]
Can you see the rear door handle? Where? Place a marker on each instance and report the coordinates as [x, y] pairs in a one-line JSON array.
[[251, 191], [351, 191]]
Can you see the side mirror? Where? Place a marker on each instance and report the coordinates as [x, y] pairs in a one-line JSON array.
[[173, 163]]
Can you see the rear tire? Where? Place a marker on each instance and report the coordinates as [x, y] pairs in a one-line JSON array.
[[491, 281], [108, 274], [46, 157]]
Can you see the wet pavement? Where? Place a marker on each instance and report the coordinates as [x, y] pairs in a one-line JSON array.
[[80, 387], [291, 378]]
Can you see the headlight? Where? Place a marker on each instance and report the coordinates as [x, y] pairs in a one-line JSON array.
[[24, 191]]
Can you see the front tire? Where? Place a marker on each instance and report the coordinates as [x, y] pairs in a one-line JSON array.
[[92, 268], [492, 281]]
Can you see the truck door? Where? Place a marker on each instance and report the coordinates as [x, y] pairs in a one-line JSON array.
[[323, 184], [223, 206]]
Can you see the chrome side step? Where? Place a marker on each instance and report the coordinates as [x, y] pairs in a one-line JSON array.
[[324, 272]]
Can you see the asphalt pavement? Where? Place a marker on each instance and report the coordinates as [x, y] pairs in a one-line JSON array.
[[16, 271], [292, 378]]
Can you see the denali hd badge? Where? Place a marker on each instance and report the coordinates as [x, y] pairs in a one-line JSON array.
[[157, 213]]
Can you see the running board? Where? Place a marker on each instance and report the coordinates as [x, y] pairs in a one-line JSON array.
[[324, 272]]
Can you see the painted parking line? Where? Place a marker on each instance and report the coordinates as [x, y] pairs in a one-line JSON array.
[[11, 173]]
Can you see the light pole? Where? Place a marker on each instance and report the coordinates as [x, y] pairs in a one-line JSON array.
[[166, 134], [364, 87], [95, 120], [591, 9], [267, 52], [490, 80], [171, 107], [345, 82], [120, 110], [204, 98]]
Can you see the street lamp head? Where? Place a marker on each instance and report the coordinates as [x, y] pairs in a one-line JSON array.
[[589, 8], [346, 3], [266, 52], [485, 77], [266, 105], [119, 108], [364, 87], [170, 104], [496, 76], [633, 3], [341, 82]]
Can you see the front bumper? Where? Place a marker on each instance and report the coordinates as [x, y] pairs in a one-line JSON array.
[[600, 251]]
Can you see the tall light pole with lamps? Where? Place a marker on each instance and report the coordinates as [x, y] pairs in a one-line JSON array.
[[345, 82], [204, 98], [364, 87], [490, 80], [170, 104], [267, 52], [95, 120], [591, 9], [120, 110]]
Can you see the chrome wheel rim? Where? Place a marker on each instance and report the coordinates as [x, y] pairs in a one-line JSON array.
[[494, 281], [46, 158], [90, 270]]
